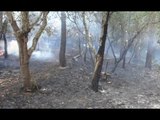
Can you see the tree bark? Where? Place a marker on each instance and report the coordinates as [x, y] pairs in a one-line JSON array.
[[85, 54], [1, 22], [124, 61], [3, 34], [150, 49], [148, 63], [5, 46], [88, 38], [24, 63], [62, 58], [100, 53], [136, 56], [110, 45], [135, 52], [92, 58], [79, 46]]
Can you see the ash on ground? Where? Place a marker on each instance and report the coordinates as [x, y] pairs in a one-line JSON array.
[[132, 87]]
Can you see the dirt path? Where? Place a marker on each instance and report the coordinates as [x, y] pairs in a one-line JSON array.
[[134, 87]]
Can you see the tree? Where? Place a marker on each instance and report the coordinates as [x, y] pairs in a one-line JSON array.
[[4, 30], [84, 28], [21, 34], [151, 36], [148, 63], [1, 22], [150, 49], [136, 25], [125, 50], [62, 58], [74, 30], [88, 39], [135, 49], [100, 53]]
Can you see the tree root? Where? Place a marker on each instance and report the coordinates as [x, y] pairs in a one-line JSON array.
[[34, 87]]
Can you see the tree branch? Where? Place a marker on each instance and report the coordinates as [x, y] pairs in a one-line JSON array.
[[38, 34], [35, 22], [25, 22], [14, 25], [87, 37]]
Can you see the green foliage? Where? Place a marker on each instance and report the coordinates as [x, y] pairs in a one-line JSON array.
[[124, 25]]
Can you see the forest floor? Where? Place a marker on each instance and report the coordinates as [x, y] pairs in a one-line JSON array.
[[132, 87]]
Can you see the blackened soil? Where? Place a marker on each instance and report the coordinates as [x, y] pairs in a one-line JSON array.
[[133, 87]]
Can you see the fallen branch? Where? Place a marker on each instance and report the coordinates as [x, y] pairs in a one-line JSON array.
[[77, 56]]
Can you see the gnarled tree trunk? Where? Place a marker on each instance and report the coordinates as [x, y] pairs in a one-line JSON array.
[[21, 35]]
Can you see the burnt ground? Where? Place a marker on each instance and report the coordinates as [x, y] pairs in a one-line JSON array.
[[133, 87]]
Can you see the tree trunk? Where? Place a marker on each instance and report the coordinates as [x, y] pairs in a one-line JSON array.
[[5, 46], [110, 44], [150, 49], [124, 61], [1, 22], [100, 53], [149, 56], [131, 57], [85, 54], [92, 59], [24, 64], [136, 56], [62, 58], [79, 45], [134, 53]]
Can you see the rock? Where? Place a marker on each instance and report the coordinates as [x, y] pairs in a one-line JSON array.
[[45, 90]]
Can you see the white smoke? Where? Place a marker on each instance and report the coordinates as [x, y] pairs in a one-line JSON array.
[[13, 48], [44, 53], [43, 56]]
